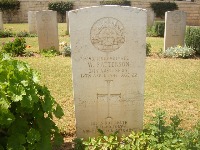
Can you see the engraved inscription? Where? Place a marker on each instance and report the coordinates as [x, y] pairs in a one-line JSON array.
[[107, 34], [109, 126], [108, 67]]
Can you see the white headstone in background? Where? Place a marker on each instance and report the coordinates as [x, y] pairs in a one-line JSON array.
[[175, 26], [1, 21], [67, 22], [32, 22], [150, 17], [108, 62], [47, 29]]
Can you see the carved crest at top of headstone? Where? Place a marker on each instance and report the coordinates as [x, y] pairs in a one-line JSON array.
[[107, 34]]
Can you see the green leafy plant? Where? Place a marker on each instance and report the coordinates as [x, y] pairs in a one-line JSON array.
[[66, 51], [6, 33], [179, 52], [148, 49], [51, 52], [192, 138], [25, 34], [16, 47], [9, 7], [161, 7], [101, 142], [157, 30], [163, 136], [116, 2], [9, 33], [158, 135], [61, 7], [26, 108], [192, 38]]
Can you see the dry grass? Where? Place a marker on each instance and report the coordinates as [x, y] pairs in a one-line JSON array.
[[170, 84]]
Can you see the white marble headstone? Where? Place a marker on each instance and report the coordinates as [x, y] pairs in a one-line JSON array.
[[108, 63], [150, 17], [32, 22], [67, 21], [47, 29], [1, 21], [175, 26]]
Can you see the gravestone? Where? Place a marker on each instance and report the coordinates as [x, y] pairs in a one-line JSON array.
[[150, 17], [1, 21], [108, 62], [47, 29], [32, 22], [67, 22], [175, 26]]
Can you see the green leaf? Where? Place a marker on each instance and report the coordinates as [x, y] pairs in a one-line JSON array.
[[6, 56], [29, 100], [101, 131], [45, 142], [24, 83], [58, 139], [45, 124], [33, 136], [20, 66], [16, 141], [6, 117], [16, 92], [20, 126], [4, 103], [58, 111], [35, 77]]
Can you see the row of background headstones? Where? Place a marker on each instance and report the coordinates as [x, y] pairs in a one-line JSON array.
[[175, 25], [44, 24]]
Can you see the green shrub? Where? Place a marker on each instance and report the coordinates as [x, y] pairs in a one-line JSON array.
[[26, 109], [179, 52], [157, 30], [6, 33], [25, 34], [9, 8], [192, 38], [116, 2], [10, 33], [161, 7], [51, 52], [61, 7], [66, 51], [15, 47], [157, 135], [148, 49], [9, 5]]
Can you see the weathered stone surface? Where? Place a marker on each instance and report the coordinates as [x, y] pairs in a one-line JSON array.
[[108, 62], [175, 26], [47, 29], [32, 22]]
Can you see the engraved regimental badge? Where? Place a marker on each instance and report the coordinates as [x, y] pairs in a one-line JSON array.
[[107, 34]]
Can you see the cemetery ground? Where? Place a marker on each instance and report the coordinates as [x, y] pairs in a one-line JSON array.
[[170, 84]]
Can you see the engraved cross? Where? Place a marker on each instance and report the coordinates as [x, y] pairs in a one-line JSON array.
[[108, 97]]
